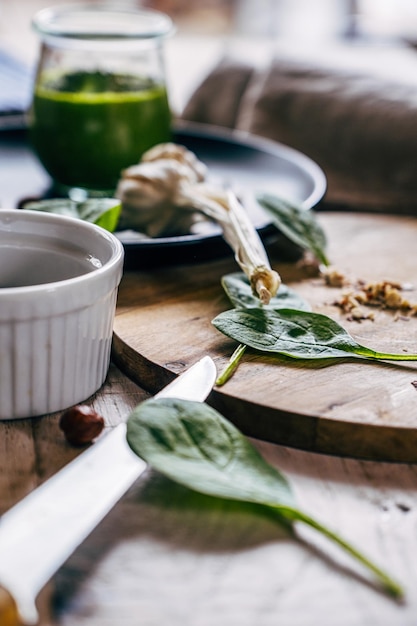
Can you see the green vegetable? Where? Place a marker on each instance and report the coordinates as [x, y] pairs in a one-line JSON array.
[[297, 334], [104, 212], [299, 225], [194, 445], [231, 366], [240, 293]]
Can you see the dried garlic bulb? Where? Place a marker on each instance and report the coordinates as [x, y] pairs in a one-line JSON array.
[[170, 177], [148, 190]]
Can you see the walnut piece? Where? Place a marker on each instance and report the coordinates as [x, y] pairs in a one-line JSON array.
[[383, 294]]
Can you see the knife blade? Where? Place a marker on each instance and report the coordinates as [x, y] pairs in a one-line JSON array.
[[40, 532]]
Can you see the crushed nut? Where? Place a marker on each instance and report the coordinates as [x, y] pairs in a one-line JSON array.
[[351, 302], [81, 424], [385, 294], [358, 313], [334, 277]]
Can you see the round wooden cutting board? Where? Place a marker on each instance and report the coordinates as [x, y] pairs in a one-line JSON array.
[[351, 408]]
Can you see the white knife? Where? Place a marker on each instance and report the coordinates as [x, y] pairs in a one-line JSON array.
[[39, 533]]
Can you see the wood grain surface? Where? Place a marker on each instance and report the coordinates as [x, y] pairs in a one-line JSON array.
[[350, 408], [168, 555]]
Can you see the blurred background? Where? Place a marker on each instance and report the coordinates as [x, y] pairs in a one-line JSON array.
[[208, 27], [257, 18], [335, 79]]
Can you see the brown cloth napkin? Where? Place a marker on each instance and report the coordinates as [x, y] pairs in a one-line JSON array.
[[357, 123]]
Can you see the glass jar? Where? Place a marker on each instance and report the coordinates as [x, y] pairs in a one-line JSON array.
[[100, 98]]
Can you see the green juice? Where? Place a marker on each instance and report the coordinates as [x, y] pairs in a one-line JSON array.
[[87, 127]]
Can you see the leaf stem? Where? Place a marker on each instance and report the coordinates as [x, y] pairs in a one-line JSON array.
[[392, 357], [231, 366], [388, 584]]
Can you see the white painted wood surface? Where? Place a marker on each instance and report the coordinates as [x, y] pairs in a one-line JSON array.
[[167, 555]]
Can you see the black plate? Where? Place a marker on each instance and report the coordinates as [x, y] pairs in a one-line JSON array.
[[248, 165]]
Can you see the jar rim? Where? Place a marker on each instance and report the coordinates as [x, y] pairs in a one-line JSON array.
[[101, 22]]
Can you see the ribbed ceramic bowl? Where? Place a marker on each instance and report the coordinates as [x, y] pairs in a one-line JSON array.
[[58, 286]]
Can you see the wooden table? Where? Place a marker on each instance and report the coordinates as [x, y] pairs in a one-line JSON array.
[[166, 555]]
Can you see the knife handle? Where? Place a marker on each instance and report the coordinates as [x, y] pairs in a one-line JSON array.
[[8, 609]]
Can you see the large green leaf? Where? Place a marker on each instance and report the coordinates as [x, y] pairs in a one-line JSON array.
[[194, 445], [298, 334]]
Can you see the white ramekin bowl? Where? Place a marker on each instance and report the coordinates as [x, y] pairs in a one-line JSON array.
[[58, 287]]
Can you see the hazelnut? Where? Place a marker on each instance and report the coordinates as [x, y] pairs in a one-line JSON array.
[[81, 424]]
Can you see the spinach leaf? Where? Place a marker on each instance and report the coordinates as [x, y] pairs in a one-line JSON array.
[[194, 445], [297, 334], [239, 291], [190, 441], [299, 225], [104, 212]]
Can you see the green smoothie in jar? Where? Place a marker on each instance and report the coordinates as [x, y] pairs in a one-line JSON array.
[[88, 126], [99, 99]]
